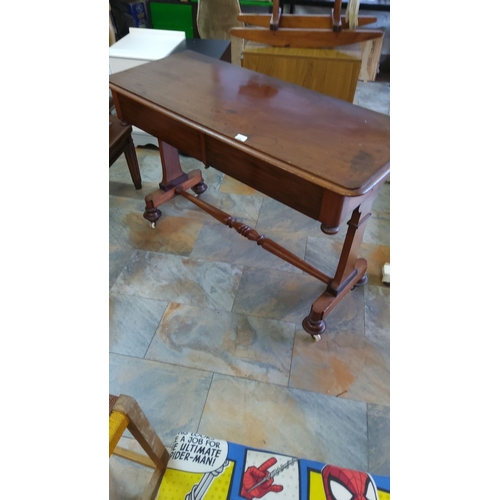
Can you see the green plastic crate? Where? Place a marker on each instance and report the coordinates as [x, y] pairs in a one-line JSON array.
[[172, 16]]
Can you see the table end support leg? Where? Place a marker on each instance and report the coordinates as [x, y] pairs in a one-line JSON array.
[[314, 324], [172, 177]]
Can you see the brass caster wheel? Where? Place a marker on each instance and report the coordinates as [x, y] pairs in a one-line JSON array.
[[316, 338], [153, 225]]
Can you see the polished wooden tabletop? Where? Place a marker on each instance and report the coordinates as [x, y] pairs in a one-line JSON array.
[[335, 144]]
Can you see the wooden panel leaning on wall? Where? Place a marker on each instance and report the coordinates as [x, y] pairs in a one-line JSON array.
[[112, 35], [215, 18]]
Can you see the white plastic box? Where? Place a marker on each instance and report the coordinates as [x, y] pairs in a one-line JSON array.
[[141, 46]]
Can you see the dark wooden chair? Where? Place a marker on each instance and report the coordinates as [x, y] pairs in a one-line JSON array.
[[120, 141]]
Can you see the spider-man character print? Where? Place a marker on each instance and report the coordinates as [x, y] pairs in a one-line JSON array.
[[345, 484]]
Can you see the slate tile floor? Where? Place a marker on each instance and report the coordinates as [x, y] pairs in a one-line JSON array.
[[205, 326]]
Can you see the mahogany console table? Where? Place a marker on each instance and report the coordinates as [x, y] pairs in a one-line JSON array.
[[321, 156]]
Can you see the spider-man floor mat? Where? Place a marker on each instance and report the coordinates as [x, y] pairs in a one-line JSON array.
[[202, 468]]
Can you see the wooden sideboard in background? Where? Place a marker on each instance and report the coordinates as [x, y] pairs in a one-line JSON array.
[[332, 72]]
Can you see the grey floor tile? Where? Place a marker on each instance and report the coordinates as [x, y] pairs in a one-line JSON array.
[[382, 205], [379, 440], [123, 210], [127, 480], [178, 279], [288, 421], [230, 185], [174, 235], [149, 165], [324, 254], [172, 398], [377, 231], [126, 204], [377, 300], [218, 341], [118, 257], [236, 205], [128, 228], [279, 218], [377, 256], [276, 294], [348, 362], [343, 364], [133, 322], [126, 189], [374, 96]]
